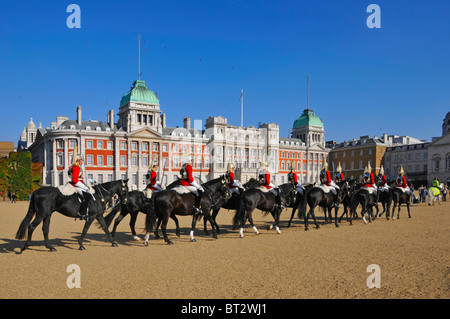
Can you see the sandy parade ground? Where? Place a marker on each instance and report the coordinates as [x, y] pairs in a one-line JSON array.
[[412, 256]]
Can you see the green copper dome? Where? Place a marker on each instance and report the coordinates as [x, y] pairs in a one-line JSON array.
[[308, 118], [139, 92]]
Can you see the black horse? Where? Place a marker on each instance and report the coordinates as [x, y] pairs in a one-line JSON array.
[[264, 201], [300, 203], [346, 201], [317, 197], [231, 203], [366, 198], [385, 199], [44, 201], [136, 202], [399, 197], [169, 202]]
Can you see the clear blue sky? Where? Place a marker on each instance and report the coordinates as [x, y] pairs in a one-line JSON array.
[[393, 80]]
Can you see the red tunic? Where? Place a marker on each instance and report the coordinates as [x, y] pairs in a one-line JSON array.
[[340, 177], [266, 182], [370, 182], [383, 181], [152, 181], [293, 177], [402, 184], [189, 179], [230, 177], [76, 175], [328, 179]]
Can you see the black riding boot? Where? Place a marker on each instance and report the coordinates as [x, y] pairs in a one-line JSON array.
[[335, 199], [198, 199], [84, 206]]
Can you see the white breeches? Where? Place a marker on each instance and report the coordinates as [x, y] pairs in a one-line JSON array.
[[234, 190]]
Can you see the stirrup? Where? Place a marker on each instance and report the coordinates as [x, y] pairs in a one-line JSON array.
[[83, 217]]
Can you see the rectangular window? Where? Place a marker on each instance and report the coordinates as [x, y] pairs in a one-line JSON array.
[[90, 159], [110, 177], [60, 160], [123, 160], [100, 178], [123, 145], [89, 144], [100, 145], [72, 143], [134, 146], [100, 160], [109, 145], [134, 161], [110, 160]]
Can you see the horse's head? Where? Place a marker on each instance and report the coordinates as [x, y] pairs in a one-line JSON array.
[[224, 189], [287, 193], [123, 190]]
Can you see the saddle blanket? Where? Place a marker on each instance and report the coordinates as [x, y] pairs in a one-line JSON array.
[[325, 188], [263, 189], [404, 190], [371, 190], [181, 189], [69, 189]]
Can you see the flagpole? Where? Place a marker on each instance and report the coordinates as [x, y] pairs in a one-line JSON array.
[[242, 108]]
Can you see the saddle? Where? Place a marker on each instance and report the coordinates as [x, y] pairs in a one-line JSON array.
[[181, 189], [263, 189], [371, 190], [326, 189], [69, 189]]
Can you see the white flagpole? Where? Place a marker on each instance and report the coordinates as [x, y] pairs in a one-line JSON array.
[[242, 108]]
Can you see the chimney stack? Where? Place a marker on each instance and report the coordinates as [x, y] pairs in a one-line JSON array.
[[111, 118], [79, 115], [187, 123]]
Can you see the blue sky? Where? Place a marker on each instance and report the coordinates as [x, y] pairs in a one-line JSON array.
[[393, 80]]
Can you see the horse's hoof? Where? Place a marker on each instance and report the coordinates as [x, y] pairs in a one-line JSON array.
[[169, 242], [114, 245], [51, 249], [193, 240], [145, 243], [82, 248], [137, 238]]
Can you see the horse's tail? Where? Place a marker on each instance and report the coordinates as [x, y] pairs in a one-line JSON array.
[[302, 207], [239, 215], [150, 216], [109, 218], [22, 231]]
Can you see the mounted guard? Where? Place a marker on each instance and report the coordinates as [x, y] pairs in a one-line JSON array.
[[368, 182], [76, 174], [383, 187], [153, 186], [233, 185], [292, 178], [339, 175], [400, 182], [328, 184], [188, 181]]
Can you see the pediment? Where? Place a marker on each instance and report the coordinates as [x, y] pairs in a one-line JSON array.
[[318, 147], [144, 133]]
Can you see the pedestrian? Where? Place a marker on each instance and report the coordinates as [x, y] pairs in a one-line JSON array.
[[444, 193], [13, 196], [420, 192]]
